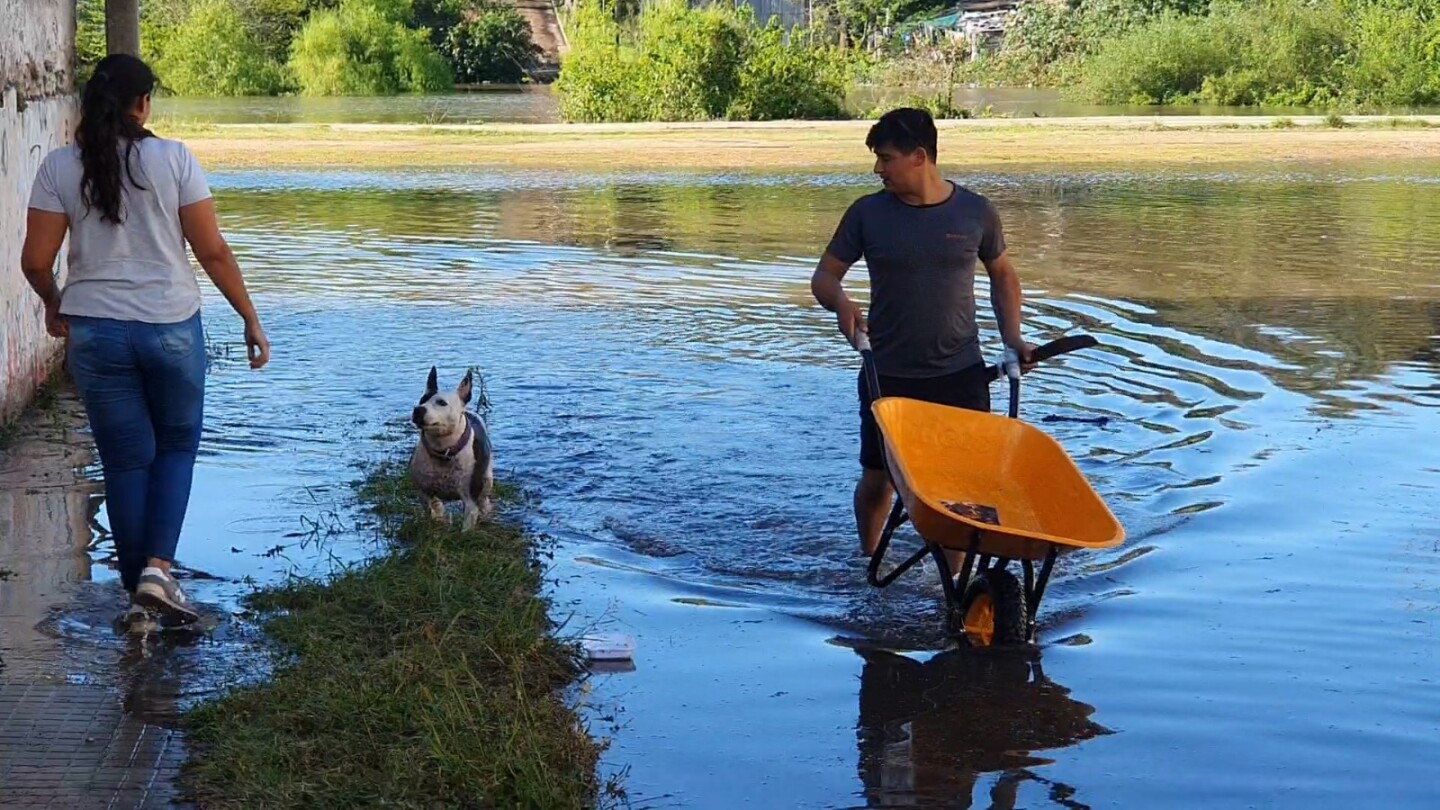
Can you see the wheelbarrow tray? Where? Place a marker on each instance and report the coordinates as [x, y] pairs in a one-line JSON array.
[[965, 474]]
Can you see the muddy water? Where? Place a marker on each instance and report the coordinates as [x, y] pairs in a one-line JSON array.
[[661, 379]]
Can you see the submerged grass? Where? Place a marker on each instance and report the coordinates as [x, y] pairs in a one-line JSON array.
[[432, 677]]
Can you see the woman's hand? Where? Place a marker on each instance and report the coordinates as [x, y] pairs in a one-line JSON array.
[[257, 346], [55, 323]]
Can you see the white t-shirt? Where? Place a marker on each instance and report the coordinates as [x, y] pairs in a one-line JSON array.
[[137, 270]]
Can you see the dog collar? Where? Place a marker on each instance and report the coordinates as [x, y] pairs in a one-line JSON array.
[[454, 450]]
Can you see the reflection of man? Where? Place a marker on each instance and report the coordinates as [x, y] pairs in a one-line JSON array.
[[920, 237], [929, 730]]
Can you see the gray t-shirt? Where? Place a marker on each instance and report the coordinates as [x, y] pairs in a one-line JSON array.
[[922, 277], [137, 270]]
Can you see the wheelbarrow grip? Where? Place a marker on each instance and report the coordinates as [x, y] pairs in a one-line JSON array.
[[1054, 348]]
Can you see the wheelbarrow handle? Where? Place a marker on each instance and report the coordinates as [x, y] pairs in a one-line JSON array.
[[867, 356], [1054, 348]]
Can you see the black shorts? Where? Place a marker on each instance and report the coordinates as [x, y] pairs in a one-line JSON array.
[[966, 388]]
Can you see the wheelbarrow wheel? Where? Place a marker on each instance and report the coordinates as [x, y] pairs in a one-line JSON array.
[[993, 611]]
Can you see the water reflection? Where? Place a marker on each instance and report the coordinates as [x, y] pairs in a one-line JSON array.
[[1317, 283], [930, 730]]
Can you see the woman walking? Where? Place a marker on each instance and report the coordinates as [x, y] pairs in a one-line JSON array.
[[130, 309]]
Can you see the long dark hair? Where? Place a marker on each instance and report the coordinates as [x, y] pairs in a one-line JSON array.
[[118, 83]]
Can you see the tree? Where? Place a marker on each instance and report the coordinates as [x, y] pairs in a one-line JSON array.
[[122, 26]]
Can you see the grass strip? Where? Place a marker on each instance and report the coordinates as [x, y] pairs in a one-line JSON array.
[[430, 677]]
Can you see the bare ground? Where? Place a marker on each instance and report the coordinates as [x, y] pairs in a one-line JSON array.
[[799, 146]]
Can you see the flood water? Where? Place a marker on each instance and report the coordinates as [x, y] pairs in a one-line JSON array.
[[661, 379]]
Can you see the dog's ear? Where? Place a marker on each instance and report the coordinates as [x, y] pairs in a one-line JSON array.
[[432, 385], [467, 386]]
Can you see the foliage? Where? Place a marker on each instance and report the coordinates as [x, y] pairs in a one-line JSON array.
[[237, 47], [89, 35], [786, 78], [684, 64], [495, 45], [1356, 53], [214, 53], [1276, 52], [364, 48]]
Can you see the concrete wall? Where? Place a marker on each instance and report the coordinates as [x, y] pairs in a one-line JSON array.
[[37, 113]]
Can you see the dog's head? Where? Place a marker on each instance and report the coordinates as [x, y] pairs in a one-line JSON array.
[[442, 413]]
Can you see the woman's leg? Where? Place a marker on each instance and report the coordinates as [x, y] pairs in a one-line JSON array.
[[104, 367], [173, 359], [175, 388]]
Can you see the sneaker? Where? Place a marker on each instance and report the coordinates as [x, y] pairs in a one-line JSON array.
[[160, 592]]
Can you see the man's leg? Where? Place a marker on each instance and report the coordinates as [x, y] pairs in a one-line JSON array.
[[873, 493], [873, 498]]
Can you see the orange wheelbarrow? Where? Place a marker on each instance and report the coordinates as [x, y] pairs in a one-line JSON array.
[[994, 488]]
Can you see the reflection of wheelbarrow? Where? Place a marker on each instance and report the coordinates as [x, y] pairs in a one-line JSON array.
[[928, 730], [993, 487]]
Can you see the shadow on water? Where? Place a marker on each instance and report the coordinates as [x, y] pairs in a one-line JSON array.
[[930, 730]]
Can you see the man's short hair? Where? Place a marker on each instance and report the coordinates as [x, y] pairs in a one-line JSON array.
[[905, 129]]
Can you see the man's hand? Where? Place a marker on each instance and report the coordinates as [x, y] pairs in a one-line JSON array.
[[1027, 356], [851, 320]]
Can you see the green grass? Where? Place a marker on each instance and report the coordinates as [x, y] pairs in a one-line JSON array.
[[432, 677]]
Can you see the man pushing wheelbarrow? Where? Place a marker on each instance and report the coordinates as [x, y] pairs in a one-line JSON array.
[[921, 237]]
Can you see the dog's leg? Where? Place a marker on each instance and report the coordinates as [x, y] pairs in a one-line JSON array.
[[437, 509], [472, 514]]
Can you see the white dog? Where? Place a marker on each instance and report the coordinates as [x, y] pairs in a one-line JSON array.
[[453, 459]]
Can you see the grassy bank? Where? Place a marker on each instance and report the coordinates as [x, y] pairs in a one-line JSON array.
[[428, 678], [796, 146]]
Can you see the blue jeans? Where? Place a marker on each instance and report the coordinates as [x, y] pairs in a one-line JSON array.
[[143, 386]]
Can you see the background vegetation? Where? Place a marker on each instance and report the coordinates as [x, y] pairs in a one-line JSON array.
[[321, 47], [663, 60], [1351, 54], [675, 63]]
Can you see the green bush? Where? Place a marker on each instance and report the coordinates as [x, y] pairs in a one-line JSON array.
[[684, 64], [494, 46], [786, 78], [213, 53], [364, 48], [1277, 52], [1394, 59], [1163, 62]]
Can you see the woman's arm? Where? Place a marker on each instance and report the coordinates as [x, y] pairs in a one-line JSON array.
[[202, 231], [44, 234]]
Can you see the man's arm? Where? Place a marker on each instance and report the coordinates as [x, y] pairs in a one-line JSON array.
[[826, 286], [1005, 299]]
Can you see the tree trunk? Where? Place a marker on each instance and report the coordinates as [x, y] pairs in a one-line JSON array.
[[122, 26]]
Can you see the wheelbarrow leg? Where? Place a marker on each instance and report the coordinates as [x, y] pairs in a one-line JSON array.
[[955, 594], [896, 520], [1035, 589]]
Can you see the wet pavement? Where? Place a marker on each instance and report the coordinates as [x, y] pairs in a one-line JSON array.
[[87, 712]]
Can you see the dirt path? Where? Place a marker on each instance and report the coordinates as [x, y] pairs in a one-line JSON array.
[[545, 28], [801, 146]]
